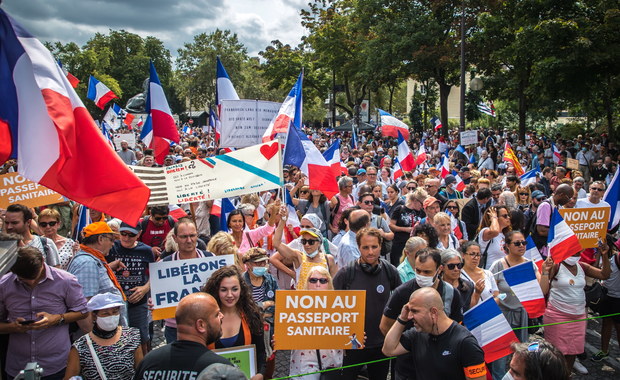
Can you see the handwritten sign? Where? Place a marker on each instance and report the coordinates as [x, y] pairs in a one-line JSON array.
[[242, 357], [17, 189], [329, 319], [589, 224], [173, 280], [571, 163], [245, 121], [469, 137]]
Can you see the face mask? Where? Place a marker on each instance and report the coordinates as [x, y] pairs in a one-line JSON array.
[[313, 254], [572, 260], [108, 323], [259, 271], [508, 376], [424, 281]]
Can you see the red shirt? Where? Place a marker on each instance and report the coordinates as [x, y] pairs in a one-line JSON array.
[[155, 236]]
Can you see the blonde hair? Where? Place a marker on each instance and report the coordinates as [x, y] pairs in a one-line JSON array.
[[50, 213], [171, 245], [414, 242], [441, 215], [322, 271], [223, 243]]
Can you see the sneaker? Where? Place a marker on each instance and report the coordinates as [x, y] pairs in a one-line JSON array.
[[577, 366], [599, 356]]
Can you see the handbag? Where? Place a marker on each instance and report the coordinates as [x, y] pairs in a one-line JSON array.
[[595, 295], [329, 375], [95, 358]]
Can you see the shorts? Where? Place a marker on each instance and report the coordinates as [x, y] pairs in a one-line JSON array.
[[611, 305], [138, 318]]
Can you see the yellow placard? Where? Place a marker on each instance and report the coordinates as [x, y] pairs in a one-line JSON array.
[[16, 189], [571, 163], [312, 319], [589, 224]]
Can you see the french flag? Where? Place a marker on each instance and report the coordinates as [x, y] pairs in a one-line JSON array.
[[456, 226], [226, 208], [445, 166], [72, 79], [421, 158], [612, 196], [460, 185], [436, 123], [390, 126], [532, 253], [332, 156], [106, 133], [215, 125], [84, 220], [216, 209], [529, 177], [45, 126], [557, 158], [397, 170], [160, 127], [99, 92], [293, 219], [176, 212], [353, 142], [302, 153], [289, 113], [522, 281], [224, 89], [187, 129], [488, 325], [140, 122], [562, 241], [407, 163]]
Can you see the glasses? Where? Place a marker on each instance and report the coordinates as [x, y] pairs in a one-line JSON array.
[[533, 347], [519, 243], [304, 191], [368, 202], [128, 234], [159, 218], [189, 236], [314, 280], [473, 254], [453, 266], [523, 194], [596, 188], [371, 174], [45, 224], [506, 216], [411, 188], [452, 207], [308, 241]]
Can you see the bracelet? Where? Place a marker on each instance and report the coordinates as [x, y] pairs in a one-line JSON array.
[[545, 273], [401, 321]]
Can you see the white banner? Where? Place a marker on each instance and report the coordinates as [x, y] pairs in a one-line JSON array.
[[365, 111], [469, 138], [245, 121], [242, 171], [173, 280], [129, 137]]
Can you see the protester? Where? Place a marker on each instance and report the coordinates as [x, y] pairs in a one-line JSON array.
[[155, 228], [452, 263], [434, 335], [348, 251], [610, 304], [117, 349], [484, 282], [246, 238], [428, 233], [37, 304], [199, 322], [443, 226], [308, 361], [537, 361], [491, 237], [406, 268], [49, 222], [473, 211], [341, 202], [242, 323]]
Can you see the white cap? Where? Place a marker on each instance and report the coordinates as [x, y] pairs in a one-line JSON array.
[[104, 301]]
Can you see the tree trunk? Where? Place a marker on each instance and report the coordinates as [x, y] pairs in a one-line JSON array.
[[609, 110], [444, 92], [522, 109]]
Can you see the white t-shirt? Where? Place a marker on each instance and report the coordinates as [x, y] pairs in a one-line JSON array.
[[585, 203], [496, 250], [490, 285]]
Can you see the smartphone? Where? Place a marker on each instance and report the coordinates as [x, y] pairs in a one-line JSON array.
[[27, 322]]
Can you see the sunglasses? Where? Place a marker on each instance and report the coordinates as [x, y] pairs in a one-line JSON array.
[[505, 216], [596, 188], [159, 218], [519, 243], [314, 280], [309, 241], [410, 188], [453, 266], [304, 191], [523, 194], [452, 207], [45, 224], [368, 202], [474, 255], [129, 234]]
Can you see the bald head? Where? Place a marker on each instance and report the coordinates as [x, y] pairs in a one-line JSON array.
[[194, 307], [427, 298], [358, 220], [563, 194]]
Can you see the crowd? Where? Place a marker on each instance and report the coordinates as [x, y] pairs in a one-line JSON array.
[[425, 247]]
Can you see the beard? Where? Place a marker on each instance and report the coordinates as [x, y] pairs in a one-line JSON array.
[[213, 335]]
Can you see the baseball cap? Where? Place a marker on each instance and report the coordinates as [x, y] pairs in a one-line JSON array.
[[312, 231], [220, 371], [429, 201], [538, 194], [464, 169], [104, 301], [450, 179], [361, 171], [96, 229], [129, 228]]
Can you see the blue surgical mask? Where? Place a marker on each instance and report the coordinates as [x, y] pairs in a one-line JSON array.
[[259, 271]]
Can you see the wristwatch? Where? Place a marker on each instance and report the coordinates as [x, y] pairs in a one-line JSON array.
[[62, 320], [401, 321]]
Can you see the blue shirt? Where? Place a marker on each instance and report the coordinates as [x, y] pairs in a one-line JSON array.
[[348, 250], [405, 271]]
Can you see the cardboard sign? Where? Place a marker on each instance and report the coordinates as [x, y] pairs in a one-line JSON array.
[[245, 121], [17, 189], [571, 163], [589, 224], [469, 137], [243, 357], [311, 319], [173, 280], [250, 170], [129, 137]]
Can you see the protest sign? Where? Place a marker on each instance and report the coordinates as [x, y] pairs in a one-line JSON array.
[[571, 163], [243, 171], [589, 224], [310, 319], [469, 138], [129, 137], [245, 121], [242, 357], [173, 280], [17, 189]]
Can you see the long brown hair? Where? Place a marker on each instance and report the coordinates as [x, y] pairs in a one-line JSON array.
[[246, 306], [486, 219]]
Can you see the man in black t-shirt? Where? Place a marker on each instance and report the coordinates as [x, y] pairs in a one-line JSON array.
[[378, 278], [199, 323], [439, 347]]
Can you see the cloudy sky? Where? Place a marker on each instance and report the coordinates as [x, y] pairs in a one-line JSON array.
[[256, 22]]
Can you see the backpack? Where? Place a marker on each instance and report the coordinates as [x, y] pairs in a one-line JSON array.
[[392, 273], [540, 241], [386, 245], [337, 208]]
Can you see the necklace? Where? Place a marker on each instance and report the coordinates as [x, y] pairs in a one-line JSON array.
[[102, 333]]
